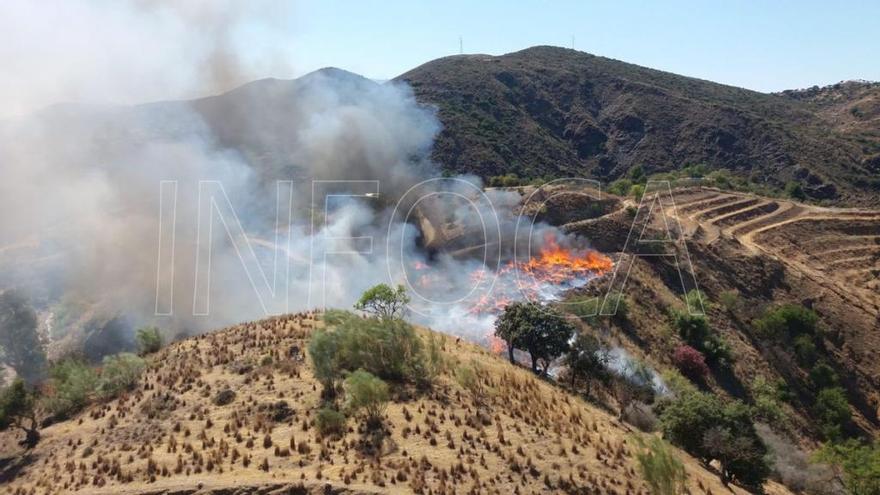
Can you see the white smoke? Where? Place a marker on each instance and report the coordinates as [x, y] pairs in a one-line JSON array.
[[79, 183]]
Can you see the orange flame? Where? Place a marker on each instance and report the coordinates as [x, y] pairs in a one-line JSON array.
[[555, 267]]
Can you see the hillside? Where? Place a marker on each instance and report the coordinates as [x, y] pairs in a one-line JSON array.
[[752, 254], [548, 111], [233, 411]]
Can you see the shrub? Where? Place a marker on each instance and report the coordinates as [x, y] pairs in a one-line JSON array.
[[823, 376], [794, 190], [620, 187], [766, 397], [660, 467], [805, 349], [788, 321], [695, 330], [224, 397], [677, 384], [590, 309], [149, 340], [695, 299], [363, 391], [468, 377], [72, 383], [641, 416], [832, 410], [383, 301], [634, 383], [690, 362], [860, 464], [731, 301], [389, 349], [330, 422], [617, 302], [793, 467], [119, 373], [637, 174], [324, 349], [585, 309], [637, 191]]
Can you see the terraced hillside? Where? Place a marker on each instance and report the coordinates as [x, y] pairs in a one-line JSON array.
[[835, 246], [750, 255], [234, 411], [827, 259]]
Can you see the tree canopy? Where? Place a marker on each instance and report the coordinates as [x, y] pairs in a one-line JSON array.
[[20, 345], [18, 410], [539, 330], [383, 301]]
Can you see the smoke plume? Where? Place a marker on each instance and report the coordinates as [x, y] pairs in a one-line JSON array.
[[83, 230]]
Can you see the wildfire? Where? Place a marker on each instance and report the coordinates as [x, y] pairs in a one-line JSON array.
[[554, 270], [545, 276]]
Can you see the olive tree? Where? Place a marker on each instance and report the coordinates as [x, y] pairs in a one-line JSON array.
[[537, 329], [383, 301], [18, 410]]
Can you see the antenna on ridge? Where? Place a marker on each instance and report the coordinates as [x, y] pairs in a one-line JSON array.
[[572, 42], [460, 46]]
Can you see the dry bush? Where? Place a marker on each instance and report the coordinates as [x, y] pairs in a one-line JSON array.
[[793, 467], [641, 416]]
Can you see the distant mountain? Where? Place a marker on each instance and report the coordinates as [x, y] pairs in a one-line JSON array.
[[559, 112]]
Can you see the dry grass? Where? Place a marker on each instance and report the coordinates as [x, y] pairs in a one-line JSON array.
[[522, 436]]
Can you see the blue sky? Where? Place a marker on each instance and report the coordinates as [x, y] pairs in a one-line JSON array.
[[766, 46]]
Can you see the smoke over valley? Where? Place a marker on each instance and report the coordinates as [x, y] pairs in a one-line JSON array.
[[277, 196]]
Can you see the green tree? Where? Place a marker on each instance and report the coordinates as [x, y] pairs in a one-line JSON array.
[[537, 329], [833, 411], [119, 373], [637, 174], [586, 361], [383, 301], [323, 350], [766, 398], [702, 425], [695, 330], [620, 187], [18, 410], [20, 345], [823, 376], [149, 340], [72, 383], [364, 391], [794, 190], [741, 457], [661, 468], [860, 463], [637, 191], [788, 321]]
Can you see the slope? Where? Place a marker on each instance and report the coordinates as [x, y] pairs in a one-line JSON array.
[[548, 111], [234, 412]]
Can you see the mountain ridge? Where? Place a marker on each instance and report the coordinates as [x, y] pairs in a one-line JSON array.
[[547, 111]]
